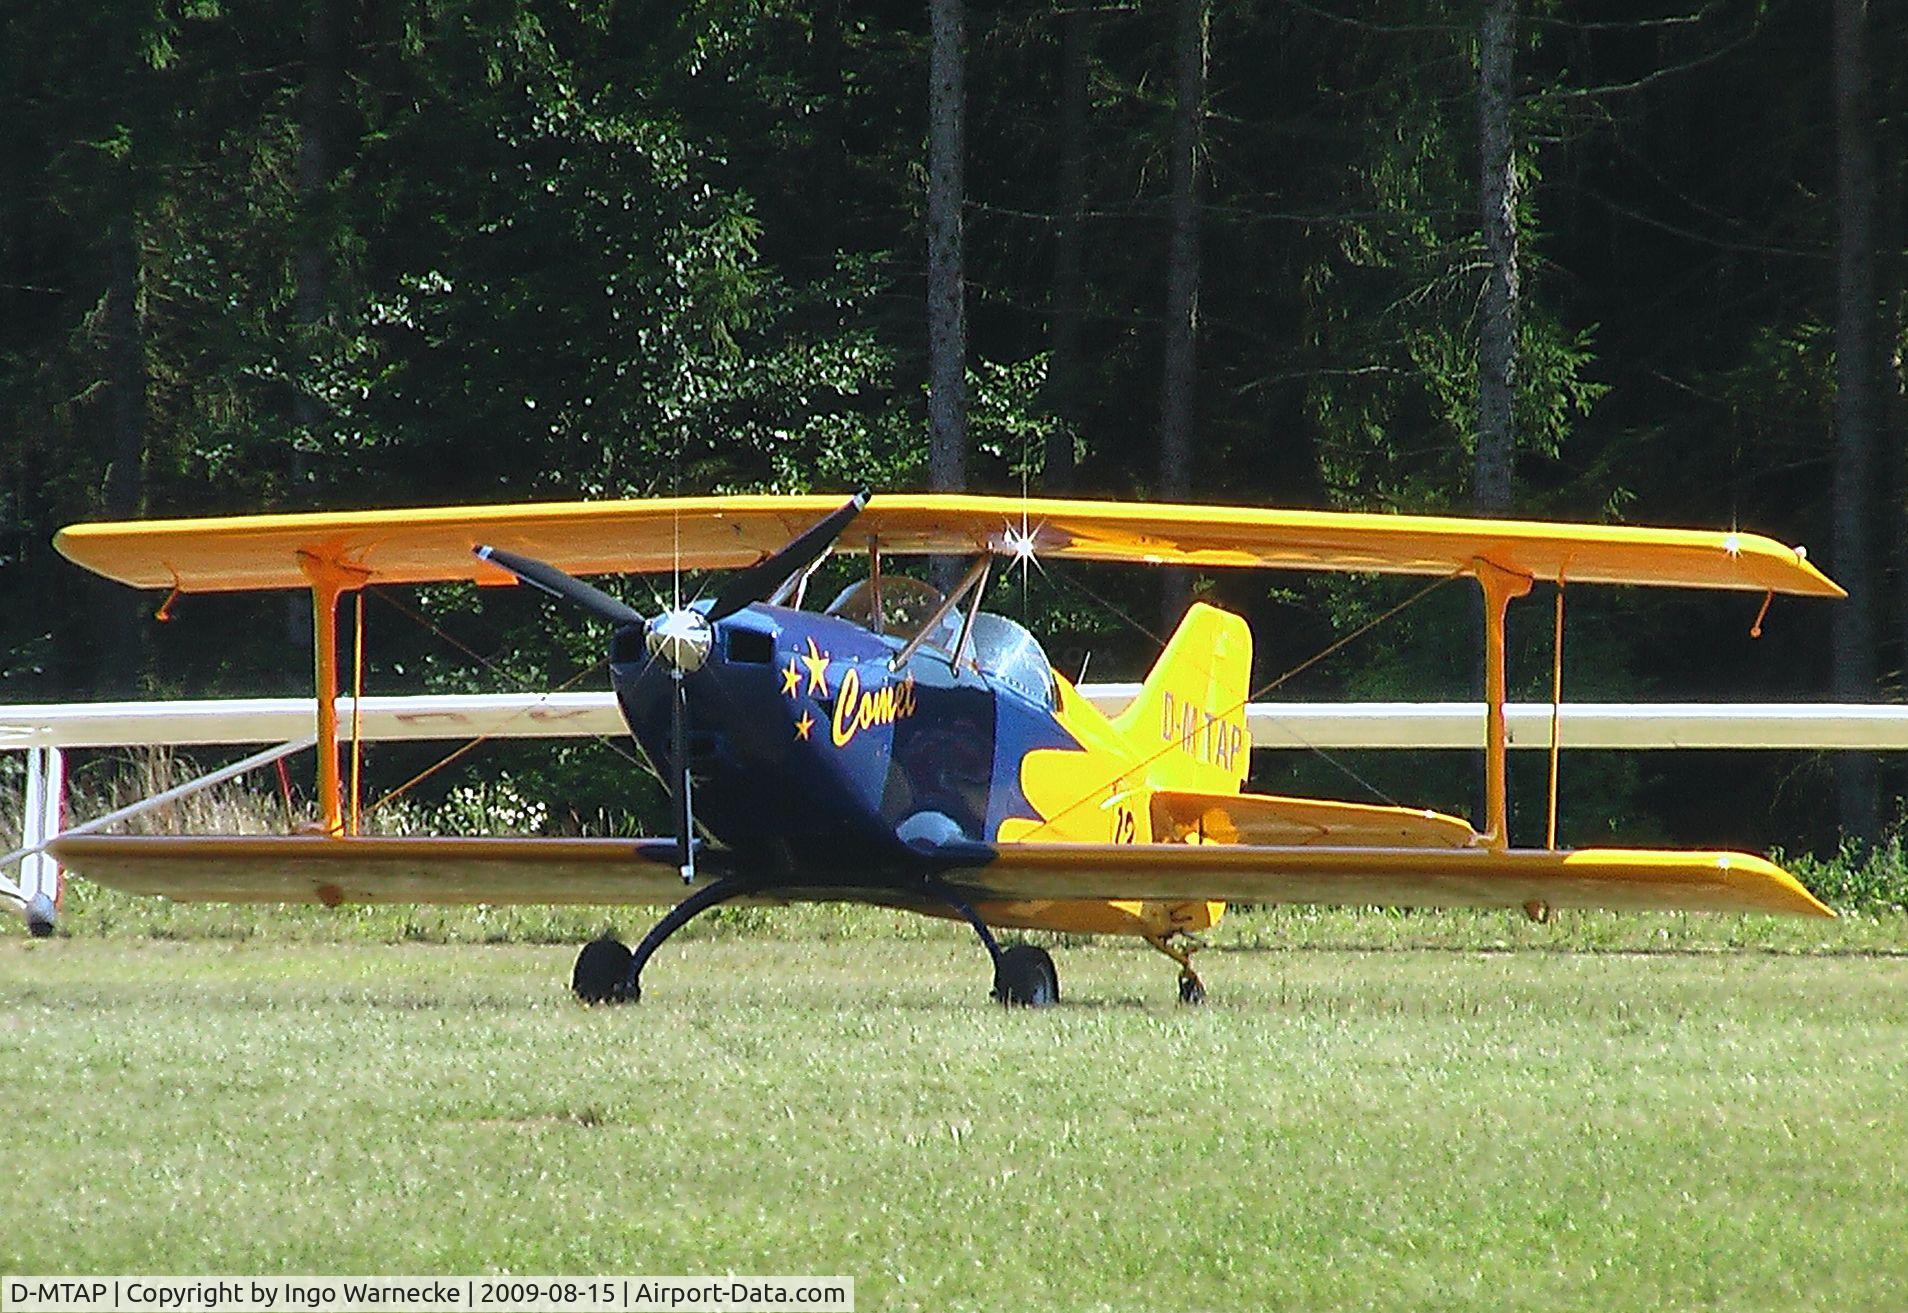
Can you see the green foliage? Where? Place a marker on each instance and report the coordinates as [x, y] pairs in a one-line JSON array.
[[1007, 421], [1859, 878], [1394, 302]]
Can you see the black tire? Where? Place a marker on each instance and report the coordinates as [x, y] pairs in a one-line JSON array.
[[1191, 992], [39, 916], [602, 972], [1026, 978]]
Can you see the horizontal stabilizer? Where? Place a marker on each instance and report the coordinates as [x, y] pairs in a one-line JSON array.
[[1250, 818]]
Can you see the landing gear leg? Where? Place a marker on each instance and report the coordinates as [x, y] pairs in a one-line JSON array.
[[607, 972], [1024, 976], [1192, 990]]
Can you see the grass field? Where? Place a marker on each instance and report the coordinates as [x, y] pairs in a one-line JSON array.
[[1405, 1112]]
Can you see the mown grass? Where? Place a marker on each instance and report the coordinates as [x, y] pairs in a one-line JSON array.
[[1418, 1127], [1377, 1109]]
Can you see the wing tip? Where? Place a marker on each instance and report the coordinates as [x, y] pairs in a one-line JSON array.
[[1794, 572], [1774, 889], [1824, 586]]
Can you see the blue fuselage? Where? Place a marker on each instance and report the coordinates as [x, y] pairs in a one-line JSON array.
[[816, 757]]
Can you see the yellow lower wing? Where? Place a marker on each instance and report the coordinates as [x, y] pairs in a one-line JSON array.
[[314, 869]]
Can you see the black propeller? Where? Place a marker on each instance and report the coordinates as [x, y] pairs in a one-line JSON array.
[[682, 639], [548, 579], [682, 784], [758, 582]]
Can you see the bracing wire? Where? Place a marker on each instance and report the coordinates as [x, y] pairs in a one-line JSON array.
[[461, 750]]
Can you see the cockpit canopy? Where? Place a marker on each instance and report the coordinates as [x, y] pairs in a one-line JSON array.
[[904, 605], [1004, 650], [1000, 648]]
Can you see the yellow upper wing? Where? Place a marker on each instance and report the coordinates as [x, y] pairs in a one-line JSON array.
[[419, 546]]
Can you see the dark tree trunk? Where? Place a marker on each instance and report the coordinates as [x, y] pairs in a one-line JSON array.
[[310, 294], [126, 363], [1894, 381], [309, 291], [1496, 436], [1182, 280], [123, 640], [1497, 318], [1892, 274], [831, 146], [946, 290], [1064, 383], [1857, 406]]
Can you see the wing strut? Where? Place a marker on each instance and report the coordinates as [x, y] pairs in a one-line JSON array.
[[1556, 715], [329, 582], [1500, 586]]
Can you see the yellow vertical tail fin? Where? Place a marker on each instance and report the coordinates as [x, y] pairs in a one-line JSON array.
[[1188, 722]]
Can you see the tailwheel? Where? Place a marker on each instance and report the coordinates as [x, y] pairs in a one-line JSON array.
[[602, 972], [1192, 990], [40, 914], [1024, 976]]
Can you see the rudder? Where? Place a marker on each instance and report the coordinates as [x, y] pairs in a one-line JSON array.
[[1188, 722]]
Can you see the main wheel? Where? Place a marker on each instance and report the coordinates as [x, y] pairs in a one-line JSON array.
[[602, 972], [1026, 978], [1191, 991]]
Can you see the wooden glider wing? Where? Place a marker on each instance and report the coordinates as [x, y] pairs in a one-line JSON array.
[[700, 533], [1613, 878]]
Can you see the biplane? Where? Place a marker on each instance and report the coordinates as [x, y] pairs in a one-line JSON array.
[[906, 747]]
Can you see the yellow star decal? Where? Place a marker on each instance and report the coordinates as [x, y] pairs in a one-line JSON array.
[[817, 663], [802, 726], [791, 676]]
